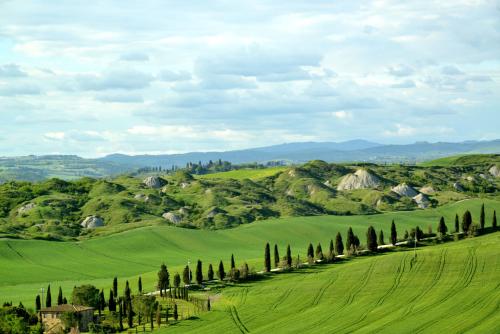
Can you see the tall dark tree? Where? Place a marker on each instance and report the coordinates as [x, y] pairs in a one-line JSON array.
[[176, 313], [210, 273], [267, 258], [139, 285], [442, 228], [130, 315], [221, 273], [466, 221], [102, 302], [115, 287], [233, 265], [349, 243], [38, 304], [276, 256], [356, 243], [331, 251], [457, 225], [163, 279], [186, 275], [319, 252], [394, 233], [127, 295], [494, 221], [381, 238], [120, 314], [310, 251], [177, 280], [199, 273], [371, 239], [288, 256], [111, 301], [482, 218], [48, 299], [60, 297], [208, 304], [339, 244]]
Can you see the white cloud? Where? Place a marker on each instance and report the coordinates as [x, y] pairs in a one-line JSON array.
[[54, 135], [342, 114]]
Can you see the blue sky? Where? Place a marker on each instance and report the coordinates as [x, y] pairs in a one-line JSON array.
[[92, 78]]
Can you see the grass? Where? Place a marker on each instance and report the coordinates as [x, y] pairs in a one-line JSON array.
[[462, 160], [241, 174], [452, 287], [28, 265]]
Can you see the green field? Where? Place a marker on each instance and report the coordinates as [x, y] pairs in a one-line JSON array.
[[452, 287], [464, 160], [241, 174], [28, 265]]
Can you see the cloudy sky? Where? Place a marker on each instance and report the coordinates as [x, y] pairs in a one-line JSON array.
[[92, 78]]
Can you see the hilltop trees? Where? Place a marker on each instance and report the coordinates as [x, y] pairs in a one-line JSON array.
[[371, 239], [466, 222], [199, 272], [442, 228], [394, 234], [222, 274], [482, 218], [276, 256], [210, 273], [163, 279], [339, 244], [267, 258]]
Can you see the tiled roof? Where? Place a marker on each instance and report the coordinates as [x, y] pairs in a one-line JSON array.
[[66, 308]]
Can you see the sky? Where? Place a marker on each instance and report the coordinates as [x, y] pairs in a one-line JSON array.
[[94, 78]]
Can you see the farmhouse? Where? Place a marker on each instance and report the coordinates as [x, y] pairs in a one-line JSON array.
[[51, 316]]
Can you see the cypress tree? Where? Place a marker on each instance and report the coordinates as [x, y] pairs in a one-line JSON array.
[[457, 225], [48, 299], [208, 304], [356, 242], [267, 258], [221, 273], [442, 228], [199, 273], [339, 244], [233, 265], [139, 285], [310, 251], [176, 314], [102, 302], [38, 304], [111, 301], [349, 243], [466, 221], [186, 276], [65, 301], [371, 239], [381, 238], [163, 279], [494, 222], [319, 252], [120, 315], [115, 287], [276, 256], [210, 273], [130, 315], [331, 251], [158, 315], [394, 234], [482, 218], [406, 236], [288, 256], [60, 297]]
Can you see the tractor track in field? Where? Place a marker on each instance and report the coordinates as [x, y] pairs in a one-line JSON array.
[[361, 285], [233, 312], [487, 315], [323, 289], [18, 254], [464, 281], [397, 281], [115, 258], [281, 299]]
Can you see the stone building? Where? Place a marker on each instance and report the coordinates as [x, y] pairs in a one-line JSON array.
[[51, 317]]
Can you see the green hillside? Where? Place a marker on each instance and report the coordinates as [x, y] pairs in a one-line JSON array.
[[241, 174], [451, 288], [28, 265], [464, 160]]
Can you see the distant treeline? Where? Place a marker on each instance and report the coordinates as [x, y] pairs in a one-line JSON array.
[[209, 167]]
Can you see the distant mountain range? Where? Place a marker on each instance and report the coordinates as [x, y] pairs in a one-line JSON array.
[[34, 168]]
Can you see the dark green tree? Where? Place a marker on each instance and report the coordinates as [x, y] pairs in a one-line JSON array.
[[466, 221], [158, 315], [288, 256], [381, 238], [267, 258], [221, 273], [210, 274], [48, 299], [186, 275], [139, 285], [494, 221], [233, 265], [86, 295], [177, 280], [482, 218], [115, 287], [208, 304], [60, 297], [176, 313], [371, 239], [102, 302], [38, 304], [310, 251], [163, 279], [442, 228], [319, 252], [339, 244], [276, 256], [130, 315], [120, 314], [457, 225], [111, 301], [349, 243], [199, 273], [394, 233]]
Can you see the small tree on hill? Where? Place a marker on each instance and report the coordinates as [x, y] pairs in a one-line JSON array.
[[276, 256], [442, 228], [466, 222], [457, 225], [199, 273], [221, 273], [48, 299], [186, 275], [115, 287], [60, 297], [494, 221], [371, 239], [349, 243], [319, 252], [267, 258], [394, 234], [130, 315], [339, 244], [210, 273], [163, 279], [139, 285], [310, 251], [102, 302], [111, 301], [331, 251], [482, 218], [406, 235], [381, 238], [177, 280], [233, 265], [38, 304], [288, 256]]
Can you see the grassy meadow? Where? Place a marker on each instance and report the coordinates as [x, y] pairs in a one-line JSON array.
[[28, 265]]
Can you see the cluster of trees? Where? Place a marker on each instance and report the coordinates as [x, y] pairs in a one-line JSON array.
[[18, 319]]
